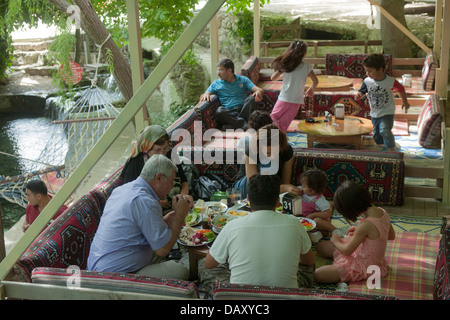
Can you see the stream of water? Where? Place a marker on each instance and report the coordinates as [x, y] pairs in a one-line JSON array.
[[26, 136]]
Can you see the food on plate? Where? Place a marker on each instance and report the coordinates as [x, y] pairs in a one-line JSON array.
[[216, 207], [220, 221], [199, 206], [235, 213], [194, 237], [191, 218], [308, 225]]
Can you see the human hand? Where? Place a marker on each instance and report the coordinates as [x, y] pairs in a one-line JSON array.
[[293, 189], [359, 96], [311, 216], [258, 96], [189, 199], [405, 106], [205, 97], [309, 92], [335, 239], [350, 231], [180, 205]]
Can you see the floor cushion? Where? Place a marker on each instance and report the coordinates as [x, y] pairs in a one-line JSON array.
[[350, 65], [429, 72], [66, 241], [429, 123], [411, 258], [117, 281], [381, 173], [230, 291], [251, 69], [441, 285], [184, 127]]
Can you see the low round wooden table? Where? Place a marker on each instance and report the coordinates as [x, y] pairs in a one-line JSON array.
[[331, 83], [348, 131]]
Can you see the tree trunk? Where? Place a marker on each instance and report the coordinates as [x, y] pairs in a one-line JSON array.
[[394, 41], [91, 24]]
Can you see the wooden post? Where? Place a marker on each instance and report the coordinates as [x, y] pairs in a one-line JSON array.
[[137, 70], [256, 28], [438, 28], [442, 70], [2, 237], [214, 45]]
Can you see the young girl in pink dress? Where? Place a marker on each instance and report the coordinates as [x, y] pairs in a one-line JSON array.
[[364, 245], [295, 72]]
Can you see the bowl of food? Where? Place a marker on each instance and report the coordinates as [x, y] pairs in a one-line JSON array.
[[308, 224], [219, 221]]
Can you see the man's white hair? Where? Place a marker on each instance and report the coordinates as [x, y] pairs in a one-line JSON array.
[[158, 163]]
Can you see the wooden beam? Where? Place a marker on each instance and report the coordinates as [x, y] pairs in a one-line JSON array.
[[137, 69], [422, 192], [132, 107], [401, 27]]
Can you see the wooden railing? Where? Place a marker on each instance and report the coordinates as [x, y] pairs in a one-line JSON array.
[[422, 191], [407, 65], [315, 44]]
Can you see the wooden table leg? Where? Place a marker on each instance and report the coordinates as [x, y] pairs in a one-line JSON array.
[[310, 141], [193, 266]]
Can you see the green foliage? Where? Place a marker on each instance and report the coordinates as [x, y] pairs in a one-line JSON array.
[[60, 51], [165, 119], [110, 60], [244, 26], [14, 14]]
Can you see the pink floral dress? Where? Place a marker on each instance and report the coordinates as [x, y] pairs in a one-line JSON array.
[[370, 252]]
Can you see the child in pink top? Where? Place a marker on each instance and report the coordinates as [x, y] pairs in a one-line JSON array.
[[364, 245]]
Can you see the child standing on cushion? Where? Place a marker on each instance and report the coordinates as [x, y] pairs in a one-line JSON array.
[[314, 204], [378, 86], [295, 72], [364, 245]]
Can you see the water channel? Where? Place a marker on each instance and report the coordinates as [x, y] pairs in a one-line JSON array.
[[23, 137]]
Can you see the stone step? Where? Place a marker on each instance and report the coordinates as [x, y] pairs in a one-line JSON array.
[[29, 58], [36, 70], [30, 45]]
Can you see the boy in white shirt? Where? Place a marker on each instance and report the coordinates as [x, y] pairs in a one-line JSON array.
[[378, 86]]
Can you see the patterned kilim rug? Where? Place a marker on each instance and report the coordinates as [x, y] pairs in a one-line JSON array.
[[411, 257]]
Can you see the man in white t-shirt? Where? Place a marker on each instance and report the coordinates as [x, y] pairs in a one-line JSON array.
[[265, 247]]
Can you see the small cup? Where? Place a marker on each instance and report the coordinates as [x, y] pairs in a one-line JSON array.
[[230, 197]]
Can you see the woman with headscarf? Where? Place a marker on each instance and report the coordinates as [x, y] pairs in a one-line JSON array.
[[153, 140]]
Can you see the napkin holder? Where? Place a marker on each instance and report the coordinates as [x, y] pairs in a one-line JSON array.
[[292, 204]]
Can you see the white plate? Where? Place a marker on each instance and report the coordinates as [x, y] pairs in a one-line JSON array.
[[196, 222], [214, 222], [310, 221], [237, 213], [223, 205], [193, 245]]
